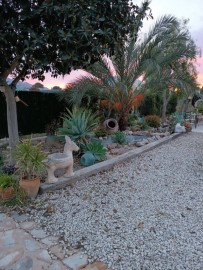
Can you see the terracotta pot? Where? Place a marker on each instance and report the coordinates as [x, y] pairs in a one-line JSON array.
[[111, 125], [7, 193], [30, 186]]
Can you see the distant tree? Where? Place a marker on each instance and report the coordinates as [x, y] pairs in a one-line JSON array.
[[174, 68], [36, 86], [56, 88], [38, 36]]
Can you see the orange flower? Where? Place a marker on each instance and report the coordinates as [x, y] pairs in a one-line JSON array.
[[137, 100], [117, 106]]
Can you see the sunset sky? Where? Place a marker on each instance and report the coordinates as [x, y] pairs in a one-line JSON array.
[[187, 9]]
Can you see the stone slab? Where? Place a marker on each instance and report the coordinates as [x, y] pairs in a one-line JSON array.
[[76, 261], [105, 165]]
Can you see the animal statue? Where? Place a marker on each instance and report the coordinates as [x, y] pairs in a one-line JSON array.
[[61, 161]]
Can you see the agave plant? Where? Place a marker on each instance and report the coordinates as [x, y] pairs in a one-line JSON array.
[[79, 124], [95, 148]]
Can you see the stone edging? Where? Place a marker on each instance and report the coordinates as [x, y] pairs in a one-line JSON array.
[[105, 165]]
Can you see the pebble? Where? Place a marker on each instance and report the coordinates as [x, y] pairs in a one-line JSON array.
[[139, 221]]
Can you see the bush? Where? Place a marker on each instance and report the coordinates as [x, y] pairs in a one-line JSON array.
[[6, 181], [101, 132], [172, 104], [79, 124], [153, 120], [151, 105], [52, 128], [132, 120], [119, 137], [95, 148], [142, 125]]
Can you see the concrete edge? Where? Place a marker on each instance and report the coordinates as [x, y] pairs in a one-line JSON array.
[[105, 165]]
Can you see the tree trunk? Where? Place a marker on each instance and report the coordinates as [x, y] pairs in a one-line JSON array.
[[123, 121], [164, 106], [12, 121]]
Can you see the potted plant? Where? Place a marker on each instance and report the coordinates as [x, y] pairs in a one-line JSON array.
[[7, 191], [29, 164]]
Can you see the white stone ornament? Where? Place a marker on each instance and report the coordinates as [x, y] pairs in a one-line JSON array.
[[61, 161], [179, 128]]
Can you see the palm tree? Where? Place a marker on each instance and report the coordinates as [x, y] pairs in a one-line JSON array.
[[181, 77], [114, 82], [176, 68]]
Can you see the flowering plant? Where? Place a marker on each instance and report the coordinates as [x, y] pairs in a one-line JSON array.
[[188, 125]]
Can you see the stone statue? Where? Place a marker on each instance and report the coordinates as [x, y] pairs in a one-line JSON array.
[[61, 161]]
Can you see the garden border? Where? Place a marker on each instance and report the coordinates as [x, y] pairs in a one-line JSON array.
[[105, 165]]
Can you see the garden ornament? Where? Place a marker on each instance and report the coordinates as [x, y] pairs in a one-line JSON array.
[[61, 161], [179, 128]]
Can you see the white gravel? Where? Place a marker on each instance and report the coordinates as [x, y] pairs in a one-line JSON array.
[[144, 214]]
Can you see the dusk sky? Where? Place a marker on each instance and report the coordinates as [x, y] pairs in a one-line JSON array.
[[187, 9]]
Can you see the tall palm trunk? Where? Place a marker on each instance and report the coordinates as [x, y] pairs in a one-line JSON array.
[[123, 121], [165, 104], [11, 117]]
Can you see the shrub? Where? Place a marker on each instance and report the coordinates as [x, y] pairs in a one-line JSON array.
[[101, 132], [151, 105], [52, 128], [79, 124], [132, 120], [6, 181], [143, 125], [119, 137], [153, 120], [95, 148]]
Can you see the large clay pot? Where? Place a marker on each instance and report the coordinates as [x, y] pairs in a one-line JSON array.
[[7, 193], [111, 125], [30, 186]]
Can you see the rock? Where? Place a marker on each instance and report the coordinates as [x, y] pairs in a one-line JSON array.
[[95, 266], [38, 233], [10, 258], [58, 266], [50, 241], [119, 151], [132, 143], [27, 225], [112, 146], [58, 251], [25, 263], [140, 144], [76, 261], [108, 156]]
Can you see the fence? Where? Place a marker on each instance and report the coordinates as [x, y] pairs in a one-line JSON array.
[[41, 110]]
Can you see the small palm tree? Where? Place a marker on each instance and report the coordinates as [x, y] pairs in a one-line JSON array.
[[118, 82]]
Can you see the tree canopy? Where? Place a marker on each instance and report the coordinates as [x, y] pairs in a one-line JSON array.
[[38, 36]]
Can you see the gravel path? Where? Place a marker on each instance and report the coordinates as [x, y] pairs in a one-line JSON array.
[[144, 214]]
